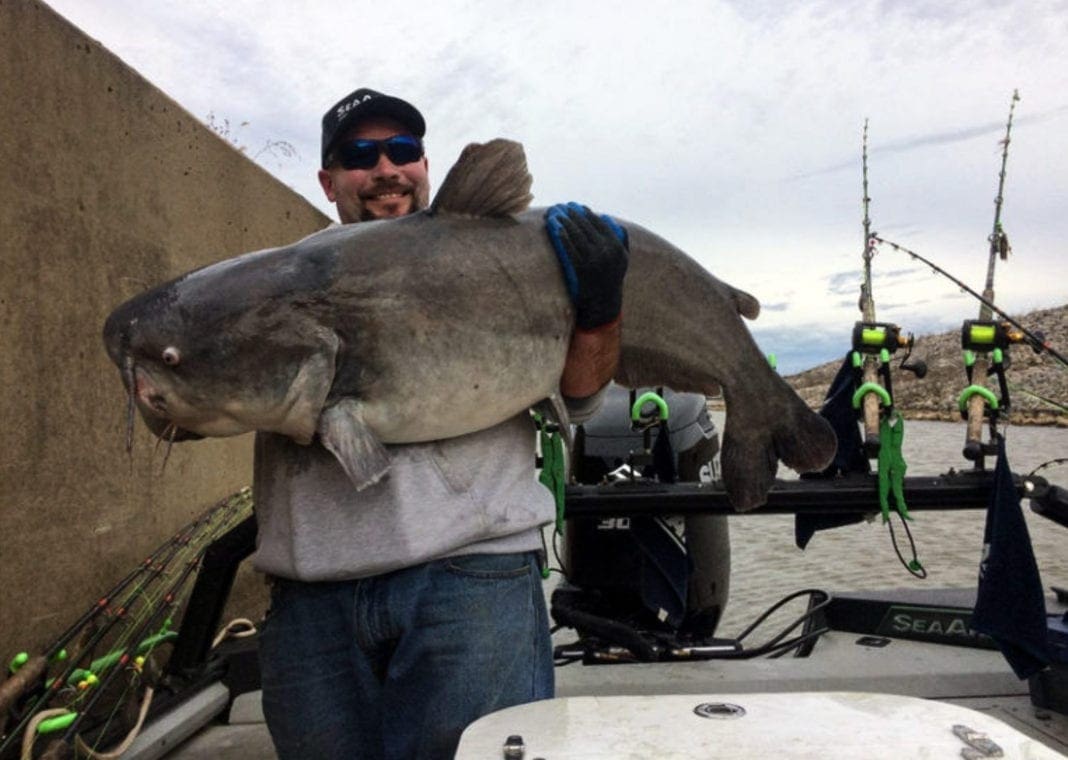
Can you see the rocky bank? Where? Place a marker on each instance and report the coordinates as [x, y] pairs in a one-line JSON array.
[[935, 396]]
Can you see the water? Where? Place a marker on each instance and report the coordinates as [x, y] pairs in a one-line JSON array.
[[766, 565]]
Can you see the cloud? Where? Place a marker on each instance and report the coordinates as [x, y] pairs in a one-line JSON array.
[[802, 347], [844, 282], [730, 127], [908, 144]]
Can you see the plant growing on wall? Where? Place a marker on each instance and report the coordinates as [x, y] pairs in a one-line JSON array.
[[280, 150]]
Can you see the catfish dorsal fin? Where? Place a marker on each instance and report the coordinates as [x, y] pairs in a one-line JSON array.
[[487, 180]]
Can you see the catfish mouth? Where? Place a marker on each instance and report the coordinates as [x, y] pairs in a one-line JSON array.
[[176, 406], [153, 406], [165, 429]]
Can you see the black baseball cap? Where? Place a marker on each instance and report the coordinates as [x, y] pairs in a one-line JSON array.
[[361, 104]]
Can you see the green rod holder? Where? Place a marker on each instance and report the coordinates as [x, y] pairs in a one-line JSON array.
[[867, 388], [645, 398]]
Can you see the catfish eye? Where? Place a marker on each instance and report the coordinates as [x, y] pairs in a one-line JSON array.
[[171, 357]]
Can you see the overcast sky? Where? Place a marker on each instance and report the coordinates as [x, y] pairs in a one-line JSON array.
[[733, 129]]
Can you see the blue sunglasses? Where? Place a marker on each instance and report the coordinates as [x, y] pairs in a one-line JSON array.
[[364, 154]]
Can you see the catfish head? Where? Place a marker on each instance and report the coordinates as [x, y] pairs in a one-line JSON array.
[[211, 354]]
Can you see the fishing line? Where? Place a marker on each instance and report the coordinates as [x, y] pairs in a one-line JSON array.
[[130, 619], [1038, 397], [170, 601], [1037, 342], [913, 566], [59, 682], [1050, 463]]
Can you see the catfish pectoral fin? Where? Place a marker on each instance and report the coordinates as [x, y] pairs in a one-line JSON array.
[[344, 434]]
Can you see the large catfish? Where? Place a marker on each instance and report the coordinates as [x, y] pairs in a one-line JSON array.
[[438, 324]]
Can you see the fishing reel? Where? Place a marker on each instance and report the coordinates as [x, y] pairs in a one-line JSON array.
[[985, 335], [873, 344], [872, 338], [979, 336]]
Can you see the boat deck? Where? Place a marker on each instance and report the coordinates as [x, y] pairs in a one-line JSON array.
[[978, 679]]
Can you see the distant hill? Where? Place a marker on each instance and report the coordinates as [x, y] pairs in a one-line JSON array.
[[935, 396]]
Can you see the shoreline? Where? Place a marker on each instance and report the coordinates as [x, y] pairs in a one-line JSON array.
[[1028, 417]]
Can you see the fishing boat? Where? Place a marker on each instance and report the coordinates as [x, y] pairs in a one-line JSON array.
[[888, 674]]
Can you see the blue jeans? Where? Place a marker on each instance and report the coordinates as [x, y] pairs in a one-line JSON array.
[[396, 666]]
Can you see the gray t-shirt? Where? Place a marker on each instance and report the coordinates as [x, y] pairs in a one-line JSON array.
[[473, 494]]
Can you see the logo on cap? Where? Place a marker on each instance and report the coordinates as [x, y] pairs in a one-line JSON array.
[[344, 108]]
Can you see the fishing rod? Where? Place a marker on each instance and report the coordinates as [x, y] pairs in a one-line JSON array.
[[978, 364], [867, 307], [187, 546], [88, 691], [63, 747], [1036, 341], [26, 670], [874, 342]]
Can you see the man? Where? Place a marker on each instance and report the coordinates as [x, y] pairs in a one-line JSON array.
[[401, 613]]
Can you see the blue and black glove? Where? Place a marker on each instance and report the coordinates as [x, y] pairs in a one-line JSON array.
[[593, 254]]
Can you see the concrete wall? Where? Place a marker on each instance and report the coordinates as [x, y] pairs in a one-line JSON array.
[[108, 187]]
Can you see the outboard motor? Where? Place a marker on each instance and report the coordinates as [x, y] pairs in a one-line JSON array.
[[665, 575]]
